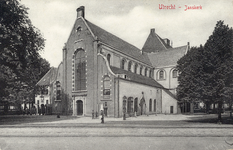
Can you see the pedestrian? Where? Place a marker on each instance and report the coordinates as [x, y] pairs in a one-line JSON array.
[[102, 118]]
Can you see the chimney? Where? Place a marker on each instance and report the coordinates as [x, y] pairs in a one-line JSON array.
[[81, 12], [152, 30], [188, 46]]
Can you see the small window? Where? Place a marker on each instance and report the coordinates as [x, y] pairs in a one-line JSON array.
[[175, 73], [161, 74], [58, 89], [78, 30]]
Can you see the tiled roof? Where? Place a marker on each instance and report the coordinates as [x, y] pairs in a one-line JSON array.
[[48, 78], [168, 57], [154, 43], [141, 79], [136, 77], [118, 43]]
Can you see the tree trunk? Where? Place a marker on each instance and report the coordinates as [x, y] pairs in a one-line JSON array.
[[207, 107], [230, 108], [219, 112]]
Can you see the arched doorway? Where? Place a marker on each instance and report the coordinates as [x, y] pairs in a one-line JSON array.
[[79, 107], [142, 106]]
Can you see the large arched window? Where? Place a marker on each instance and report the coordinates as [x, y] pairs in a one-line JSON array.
[[161, 75], [123, 64], [80, 70], [150, 105], [135, 68], [174, 73], [109, 58], [106, 91], [129, 65]]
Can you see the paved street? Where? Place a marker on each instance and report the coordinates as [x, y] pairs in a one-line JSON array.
[[178, 132], [114, 143]]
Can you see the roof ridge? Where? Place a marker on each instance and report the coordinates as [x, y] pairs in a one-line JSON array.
[[117, 43], [113, 35]]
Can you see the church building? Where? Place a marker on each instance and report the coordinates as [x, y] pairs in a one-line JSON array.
[[100, 71]]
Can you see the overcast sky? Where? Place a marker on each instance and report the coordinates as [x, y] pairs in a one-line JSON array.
[[130, 20]]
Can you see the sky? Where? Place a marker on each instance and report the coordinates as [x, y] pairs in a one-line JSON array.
[[131, 20]]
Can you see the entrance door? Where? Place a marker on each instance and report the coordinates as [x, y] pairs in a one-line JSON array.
[[105, 111], [171, 109], [79, 107]]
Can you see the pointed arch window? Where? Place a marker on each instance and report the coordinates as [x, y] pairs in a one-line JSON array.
[[109, 59], [123, 64], [141, 70], [135, 68], [146, 72], [106, 86], [129, 66], [150, 73], [80, 70]]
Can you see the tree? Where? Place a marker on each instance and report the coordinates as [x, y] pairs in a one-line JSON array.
[[190, 78], [218, 63], [206, 72], [20, 43]]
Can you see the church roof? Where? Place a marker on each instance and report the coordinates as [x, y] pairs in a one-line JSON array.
[[116, 42], [141, 79], [136, 77], [168, 57], [154, 43], [48, 78]]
